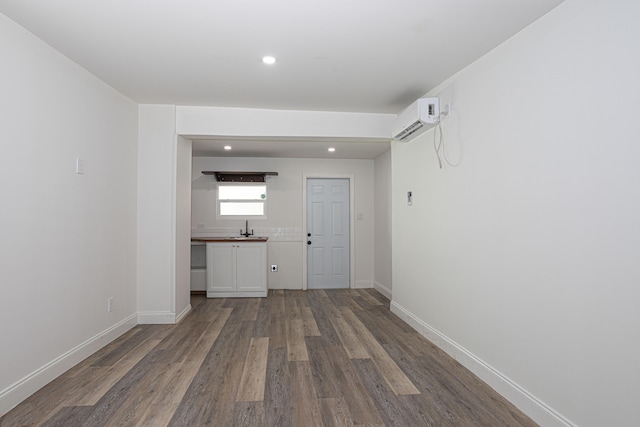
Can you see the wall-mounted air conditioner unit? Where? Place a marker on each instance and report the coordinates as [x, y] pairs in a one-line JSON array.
[[417, 118]]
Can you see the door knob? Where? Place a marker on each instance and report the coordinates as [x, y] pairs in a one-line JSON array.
[[308, 242], [308, 234]]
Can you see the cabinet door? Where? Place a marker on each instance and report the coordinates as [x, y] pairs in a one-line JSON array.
[[221, 267], [251, 273]]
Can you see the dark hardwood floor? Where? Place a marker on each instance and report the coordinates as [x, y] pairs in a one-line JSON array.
[[296, 358]]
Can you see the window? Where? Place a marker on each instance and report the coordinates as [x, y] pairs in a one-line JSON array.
[[242, 200]]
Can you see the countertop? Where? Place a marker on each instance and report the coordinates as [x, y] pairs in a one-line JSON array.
[[229, 239]]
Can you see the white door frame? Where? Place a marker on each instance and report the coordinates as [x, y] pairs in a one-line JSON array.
[[351, 178]]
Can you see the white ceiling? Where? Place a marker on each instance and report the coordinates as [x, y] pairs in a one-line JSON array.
[[373, 56]]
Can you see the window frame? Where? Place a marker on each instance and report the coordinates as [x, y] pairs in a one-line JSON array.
[[218, 201]]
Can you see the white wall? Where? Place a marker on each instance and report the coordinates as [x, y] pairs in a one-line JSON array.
[[382, 224], [183, 227], [284, 224], [68, 241], [156, 220], [164, 172], [523, 261], [256, 122]]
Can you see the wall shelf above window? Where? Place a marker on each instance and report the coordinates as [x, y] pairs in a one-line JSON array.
[[240, 176]]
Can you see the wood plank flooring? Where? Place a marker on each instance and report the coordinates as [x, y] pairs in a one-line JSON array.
[[295, 358]]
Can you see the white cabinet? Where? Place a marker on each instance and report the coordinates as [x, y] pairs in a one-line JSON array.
[[236, 269]]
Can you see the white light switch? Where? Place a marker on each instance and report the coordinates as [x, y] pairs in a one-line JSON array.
[[79, 166]]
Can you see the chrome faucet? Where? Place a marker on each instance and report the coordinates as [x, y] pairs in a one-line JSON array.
[[246, 231]]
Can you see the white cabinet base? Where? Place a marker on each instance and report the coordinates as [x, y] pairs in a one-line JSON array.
[[236, 269]]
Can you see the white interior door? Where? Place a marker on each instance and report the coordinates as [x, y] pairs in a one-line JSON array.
[[327, 233]]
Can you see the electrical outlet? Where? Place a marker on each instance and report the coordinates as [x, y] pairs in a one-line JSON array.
[[110, 304], [274, 267]]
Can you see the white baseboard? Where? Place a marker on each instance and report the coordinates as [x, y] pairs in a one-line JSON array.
[[363, 284], [521, 398], [156, 318], [161, 317], [16, 393], [382, 289], [186, 310]]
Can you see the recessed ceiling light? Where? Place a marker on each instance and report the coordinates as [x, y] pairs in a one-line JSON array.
[[268, 60], [227, 147], [331, 149]]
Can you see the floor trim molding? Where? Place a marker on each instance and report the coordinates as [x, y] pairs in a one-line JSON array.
[[156, 318], [186, 311], [382, 289], [521, 398], [16, 393], [363, 284], [162, 317]]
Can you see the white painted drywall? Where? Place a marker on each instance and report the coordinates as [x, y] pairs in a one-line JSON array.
[[157, 165], [67, 241], [183, 226], [382, 224], [285, 210], [254, 122], [526, 255]]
